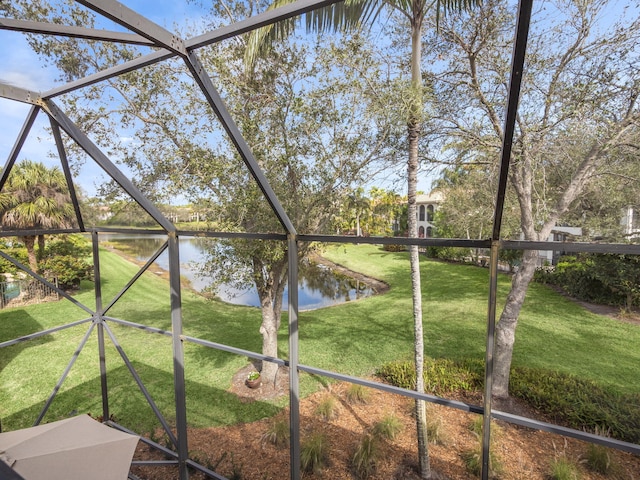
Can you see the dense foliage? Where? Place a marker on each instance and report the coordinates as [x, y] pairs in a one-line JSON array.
[[64, 258], [559, 397], [608, 279]]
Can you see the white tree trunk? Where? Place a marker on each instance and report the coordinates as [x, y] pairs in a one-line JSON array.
[[506, 328], [269, 332]]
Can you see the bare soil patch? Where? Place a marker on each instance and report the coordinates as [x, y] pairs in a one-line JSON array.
[[242, 452]]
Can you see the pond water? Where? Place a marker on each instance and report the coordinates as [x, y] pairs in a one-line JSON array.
[[318, 285]]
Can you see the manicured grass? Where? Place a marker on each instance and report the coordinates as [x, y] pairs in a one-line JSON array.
[[352, 338], [553, 332]]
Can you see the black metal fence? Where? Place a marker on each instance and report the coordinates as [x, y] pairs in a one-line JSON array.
[[21, 292]]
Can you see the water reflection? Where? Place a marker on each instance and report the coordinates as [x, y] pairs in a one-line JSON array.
[[318, 285]]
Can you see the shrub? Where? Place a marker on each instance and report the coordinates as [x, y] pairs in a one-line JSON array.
[[473, 462], [365, 457], [477, 425], [388, 427], [358, 394], [313, 453], [67, 269], [435, 430], [578, 403], [441, 376], [74, 245], [17, 253], [568, 400]]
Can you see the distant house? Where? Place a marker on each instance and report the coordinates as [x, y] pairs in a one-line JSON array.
[[426, 207], [558, 234], [630, 222]]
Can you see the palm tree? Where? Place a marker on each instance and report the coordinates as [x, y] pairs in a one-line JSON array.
[[35, 197], [351, 15]]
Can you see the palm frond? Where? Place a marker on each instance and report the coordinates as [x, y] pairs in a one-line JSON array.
[[443, 7], [341, 16], [261, 40]]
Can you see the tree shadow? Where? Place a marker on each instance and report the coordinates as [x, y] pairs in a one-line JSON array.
[[14, 326], [209, 404]]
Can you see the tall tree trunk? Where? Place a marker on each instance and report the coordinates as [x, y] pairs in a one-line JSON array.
[[413, 134], [40, 247], [270, 291], [506, 328], [29, 244], [269, 332]]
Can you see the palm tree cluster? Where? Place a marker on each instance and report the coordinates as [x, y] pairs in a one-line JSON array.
[[35, 197]]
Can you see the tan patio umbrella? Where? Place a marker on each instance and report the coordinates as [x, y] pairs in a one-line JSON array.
[[77, 448]]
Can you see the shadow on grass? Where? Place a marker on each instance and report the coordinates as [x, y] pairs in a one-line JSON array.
[[206, 404], [14, 324]]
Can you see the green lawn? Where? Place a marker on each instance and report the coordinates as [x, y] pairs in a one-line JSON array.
[[353, 338]]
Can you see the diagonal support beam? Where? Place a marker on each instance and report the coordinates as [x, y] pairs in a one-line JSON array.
[[223, 33], [101, 159], [220, 109], [140, 383], [17, 146], [135, 278], [257, 21], [74, 357], [43, 280], [127, 67], [62, 154], [72, 31], [517, 70], [135, 22]]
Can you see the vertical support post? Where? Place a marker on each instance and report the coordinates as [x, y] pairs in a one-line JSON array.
[[488, 360], [294, 381], [511, 112], [178, 354], [97, 319]]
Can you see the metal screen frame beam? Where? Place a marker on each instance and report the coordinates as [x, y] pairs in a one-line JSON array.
[[18, 144], [178, 356], [223, 33], [74, 357], [141, 387], [103, 161], [294, 378], [72, 31], [62, 154], [128, 18], [217, 104], [515, 82]]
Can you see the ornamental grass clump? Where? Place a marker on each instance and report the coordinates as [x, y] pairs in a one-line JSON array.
[[327, 408], [278, 433], [388, 427], [314, 452], [357, 394], [366, 456]]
